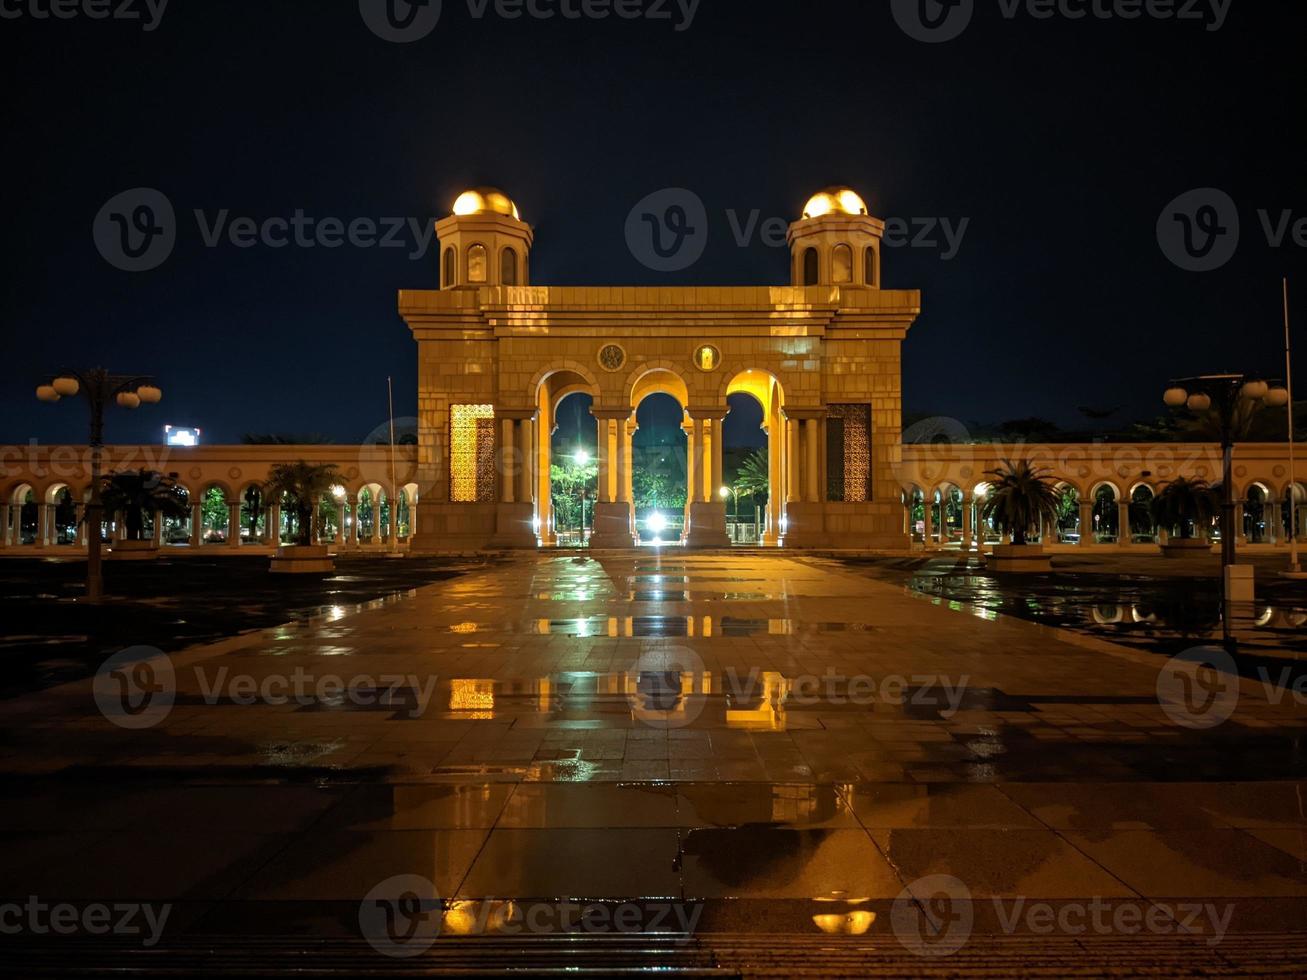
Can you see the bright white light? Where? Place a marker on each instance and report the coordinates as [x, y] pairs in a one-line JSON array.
[[656, 523], [338, 492], [174, 435], [581, 456], [724, 492]]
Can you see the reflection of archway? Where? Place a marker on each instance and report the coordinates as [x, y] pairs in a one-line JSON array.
[[766, 390]]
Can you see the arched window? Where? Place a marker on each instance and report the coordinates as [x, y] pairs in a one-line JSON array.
[[448, 273], [869, 273], [810, 267], [476, 263], [841, 264], [508, 267]]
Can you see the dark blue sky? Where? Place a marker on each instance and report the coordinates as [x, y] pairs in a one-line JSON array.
[[1060, 141]]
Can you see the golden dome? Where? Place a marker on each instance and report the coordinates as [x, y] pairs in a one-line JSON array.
[[834, 200], [485, 200]]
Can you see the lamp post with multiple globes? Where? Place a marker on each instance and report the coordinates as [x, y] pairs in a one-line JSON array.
[[1228, 400], [100, 389]]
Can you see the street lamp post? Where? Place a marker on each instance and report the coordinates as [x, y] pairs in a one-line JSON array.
[[1226, 399], [100, 388]]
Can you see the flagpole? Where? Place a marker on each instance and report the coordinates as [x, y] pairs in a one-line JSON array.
[[394, 500], [1294, 567]]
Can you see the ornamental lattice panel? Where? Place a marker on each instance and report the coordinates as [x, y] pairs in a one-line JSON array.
[[472, 453], [848, 452]]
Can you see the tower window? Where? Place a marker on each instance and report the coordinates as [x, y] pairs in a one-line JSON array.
[[841, 264], [476, 263], [508, 267], [869, 275], [447, 274], [810, 273]]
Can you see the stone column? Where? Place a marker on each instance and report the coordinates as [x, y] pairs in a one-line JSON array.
[[1086, 523], [966, 522], [342, 517], [526, 472], [718, 444], [694, 466], [628, 460], [375, 537], [233, 524], [507, 471], [197, 525], [775, 483], [79, 525], [793, 493], [1274, 522], [4, 526], [158, 529], [811, 462], [42, 525], [928, 511], [1240, 535], [353, 536], [272, 524], [1123, 535]]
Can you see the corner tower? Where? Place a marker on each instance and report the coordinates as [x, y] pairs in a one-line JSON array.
[[836, 242], [484, 242]]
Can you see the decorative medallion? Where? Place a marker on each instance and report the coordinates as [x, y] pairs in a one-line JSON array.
[[234, 473], [707, 358], [612, 357], [195, 472]]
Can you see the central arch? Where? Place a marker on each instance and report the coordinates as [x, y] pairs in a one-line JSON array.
[[764, 388], [551, 387]]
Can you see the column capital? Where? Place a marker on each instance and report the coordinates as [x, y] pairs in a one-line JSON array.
[[798, 413], [515, 414], [707, 413], [611, 414]]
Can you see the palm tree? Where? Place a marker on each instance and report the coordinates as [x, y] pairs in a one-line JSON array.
[[753, 476], [304, 484], [133, 493], [1021, 499], [1183, 501]]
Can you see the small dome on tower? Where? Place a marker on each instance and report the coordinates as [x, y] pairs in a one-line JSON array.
[[834, 200], [485, 200]]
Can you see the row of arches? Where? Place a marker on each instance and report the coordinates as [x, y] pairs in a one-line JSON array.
[[476, 265], [1108, 515], [842, 264], [216, 514]]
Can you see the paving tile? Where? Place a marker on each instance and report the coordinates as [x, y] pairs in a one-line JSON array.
[[590, 805], [939, 805], [580, 863]]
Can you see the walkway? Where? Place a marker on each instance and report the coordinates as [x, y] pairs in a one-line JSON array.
[[782, 744]]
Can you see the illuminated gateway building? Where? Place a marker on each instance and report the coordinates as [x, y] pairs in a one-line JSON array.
[[496, 354]]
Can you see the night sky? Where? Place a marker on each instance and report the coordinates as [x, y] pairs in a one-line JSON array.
[[1060, 141]]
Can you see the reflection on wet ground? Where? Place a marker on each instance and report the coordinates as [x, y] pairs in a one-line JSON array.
[[781, 762], [1148, 612]]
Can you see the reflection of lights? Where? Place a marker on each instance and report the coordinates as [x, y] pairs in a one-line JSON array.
[[656, 523], [463, 628], [471, 695], [848, 924]]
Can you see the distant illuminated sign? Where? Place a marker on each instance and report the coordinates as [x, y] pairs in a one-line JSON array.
[[181, 435]]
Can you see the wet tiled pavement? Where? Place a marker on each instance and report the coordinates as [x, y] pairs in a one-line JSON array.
[[783, 743]]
